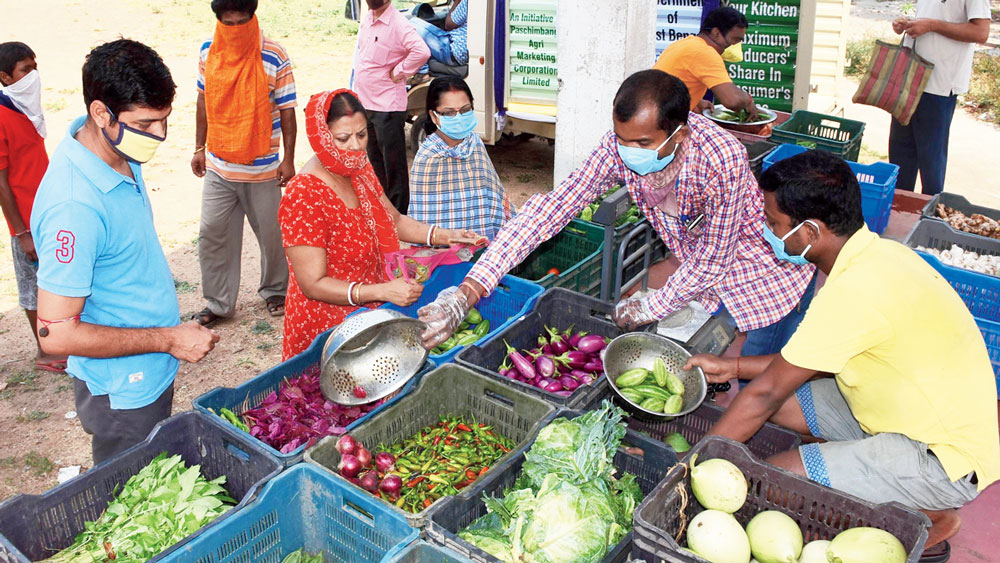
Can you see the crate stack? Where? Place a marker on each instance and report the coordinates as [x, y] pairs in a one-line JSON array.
[[979, 291]]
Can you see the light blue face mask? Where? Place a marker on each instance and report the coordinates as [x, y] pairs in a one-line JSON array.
[[646, 161], [778, 244], [458, 126]]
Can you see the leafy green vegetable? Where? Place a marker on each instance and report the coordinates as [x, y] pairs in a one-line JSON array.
[[566, 506], [587, 213], [300, 556], [160, 505]]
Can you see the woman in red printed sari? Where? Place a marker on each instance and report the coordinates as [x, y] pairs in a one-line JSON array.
[[337, 225]]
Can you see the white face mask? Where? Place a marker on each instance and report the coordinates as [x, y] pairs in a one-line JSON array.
[[26, 94]]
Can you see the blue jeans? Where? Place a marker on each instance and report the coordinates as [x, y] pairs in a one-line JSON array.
[[922, 146], [438, 41], [772, 338]]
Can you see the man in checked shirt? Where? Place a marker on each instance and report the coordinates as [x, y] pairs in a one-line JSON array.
[[692, 180]]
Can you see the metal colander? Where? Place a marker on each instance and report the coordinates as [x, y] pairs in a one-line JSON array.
[[378, 350], [640, 350]]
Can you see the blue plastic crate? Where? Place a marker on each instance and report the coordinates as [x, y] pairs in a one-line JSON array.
[[33, 527], [878, 185], [252, 393], [980, 292], [303, 508], [510, 301], [991, 336], [423, 552]]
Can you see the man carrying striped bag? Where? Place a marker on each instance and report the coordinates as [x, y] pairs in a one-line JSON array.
[[246, 109]]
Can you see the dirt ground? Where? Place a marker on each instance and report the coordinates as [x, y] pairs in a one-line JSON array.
[[35, 407]]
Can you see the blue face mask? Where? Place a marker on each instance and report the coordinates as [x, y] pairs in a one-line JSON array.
[[778, 244], [458, 126], [646, 161]]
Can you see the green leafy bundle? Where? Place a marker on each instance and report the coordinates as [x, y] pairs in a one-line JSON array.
[[160, 505], [301, 556], [566, 506]]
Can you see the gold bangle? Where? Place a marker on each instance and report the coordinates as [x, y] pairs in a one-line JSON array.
[[198, 149], [357, 293]]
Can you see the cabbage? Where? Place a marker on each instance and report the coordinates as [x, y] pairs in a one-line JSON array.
[[864, 545], [814, 552], [717, 536], [774, 537], [564, 507]]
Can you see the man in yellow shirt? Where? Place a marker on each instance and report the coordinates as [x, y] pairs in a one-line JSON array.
[[909, 414], [697, 61]]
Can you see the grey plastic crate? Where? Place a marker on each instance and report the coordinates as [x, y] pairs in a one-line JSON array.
[[448, 390], [940, 235], [959, 203]]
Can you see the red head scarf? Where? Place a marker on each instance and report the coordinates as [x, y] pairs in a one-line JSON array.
[[353, 165], [338, 161]]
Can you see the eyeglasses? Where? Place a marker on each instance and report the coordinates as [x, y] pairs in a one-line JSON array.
[[454, 112]]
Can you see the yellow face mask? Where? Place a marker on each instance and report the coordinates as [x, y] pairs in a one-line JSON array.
[[733, 53], [134, 145]]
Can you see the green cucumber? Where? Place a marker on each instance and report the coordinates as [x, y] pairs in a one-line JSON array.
[[632, 377], [653, 391]]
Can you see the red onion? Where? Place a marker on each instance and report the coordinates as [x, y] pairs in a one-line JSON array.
[[364, 456], [391, 485], [385, 462], [360, 392], [347, 445], [349, 466], [369, 481]]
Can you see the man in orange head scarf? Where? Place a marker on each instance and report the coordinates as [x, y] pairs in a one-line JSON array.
[[246, 108]]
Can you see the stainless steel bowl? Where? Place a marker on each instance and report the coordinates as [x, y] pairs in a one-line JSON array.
[[640, 350], [377, 350]]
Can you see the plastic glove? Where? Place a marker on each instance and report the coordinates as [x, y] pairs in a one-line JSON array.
[[442, 316], [633, 313]]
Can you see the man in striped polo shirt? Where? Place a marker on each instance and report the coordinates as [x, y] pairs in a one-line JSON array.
[[246, 109]]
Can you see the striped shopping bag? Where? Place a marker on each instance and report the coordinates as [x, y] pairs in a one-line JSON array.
[[895, 80]]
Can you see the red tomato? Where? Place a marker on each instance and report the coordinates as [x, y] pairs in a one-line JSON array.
[[553, 271]]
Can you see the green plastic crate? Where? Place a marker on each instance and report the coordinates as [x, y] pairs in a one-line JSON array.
[[449, 390], [575, 252], [824, 132]]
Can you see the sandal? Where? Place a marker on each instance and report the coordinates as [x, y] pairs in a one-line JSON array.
[[207, 318], [55, 366], [938, 553], [275, 305]]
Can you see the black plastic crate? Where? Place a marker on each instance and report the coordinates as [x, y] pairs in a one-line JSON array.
[[448, 390], [649, 467], [37, 526], [821, 512], [557, 308], [769, 440]]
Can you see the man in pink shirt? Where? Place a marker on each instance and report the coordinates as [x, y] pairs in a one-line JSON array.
[[389, 51]]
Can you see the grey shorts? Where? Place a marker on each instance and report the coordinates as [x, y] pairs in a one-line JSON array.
[[26, 273], [880, 468]]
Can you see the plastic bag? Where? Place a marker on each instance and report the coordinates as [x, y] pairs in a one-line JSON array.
[[417, 263]]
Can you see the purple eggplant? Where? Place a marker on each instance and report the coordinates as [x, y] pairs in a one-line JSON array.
[[575, 359], [521, 364], [553, 387], [542, 341], [564, 393], [595, 365], [510, 373], [591, 344], [545, 366], [574, 341], [569, 383], [547, 350], [557, 342], [578, 373], [586, 380]]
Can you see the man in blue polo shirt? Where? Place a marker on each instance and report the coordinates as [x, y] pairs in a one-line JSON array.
[[106, 295]]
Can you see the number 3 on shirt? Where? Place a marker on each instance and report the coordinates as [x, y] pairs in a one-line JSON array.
[[64, 254]]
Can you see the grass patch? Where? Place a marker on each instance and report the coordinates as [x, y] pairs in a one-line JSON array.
[[33, 416], [869, 155], [262, 327], [525, 178], [984, 89], [265, 346], [38, 464], [25, 378], [245, 363], [184, 286], [6, 394]]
